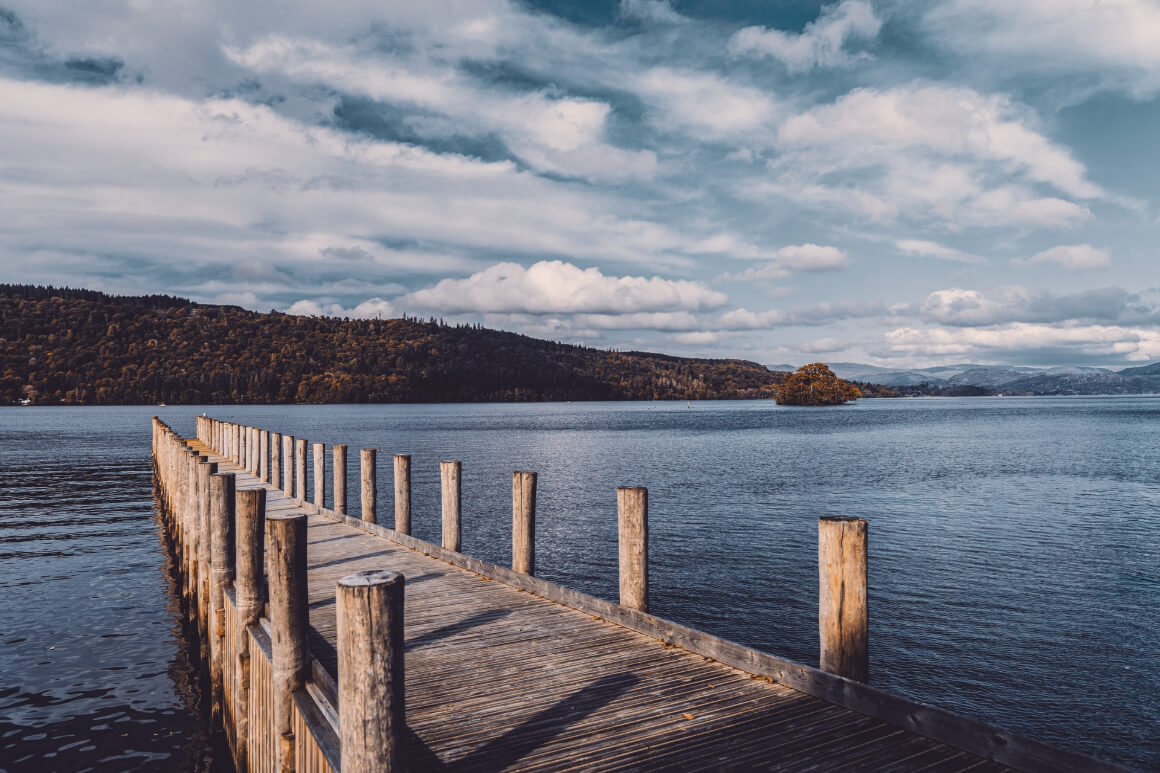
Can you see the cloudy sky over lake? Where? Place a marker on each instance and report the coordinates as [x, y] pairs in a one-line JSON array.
[[902, 183]]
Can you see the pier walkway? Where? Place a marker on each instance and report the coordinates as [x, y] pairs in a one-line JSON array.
[[507, 672]]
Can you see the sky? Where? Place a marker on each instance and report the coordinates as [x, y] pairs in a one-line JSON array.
[[903, 183]]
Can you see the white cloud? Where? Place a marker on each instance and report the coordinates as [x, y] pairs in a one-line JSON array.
[[368, 309], [705, 105], [555, 134], [945, 121], [181, 184], [1020, 338], [820, 44], [700, 337], [950, 155], [959, 307], [928, 249], [1098, 44], [1074, 257], [811, 257], [555, 287]]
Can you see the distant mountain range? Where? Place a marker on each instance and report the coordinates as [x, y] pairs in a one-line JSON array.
[[1005, 379]]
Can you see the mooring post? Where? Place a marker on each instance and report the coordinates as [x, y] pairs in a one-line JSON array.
[[288, 465], [340, 479], [264, 455], [256, 447], [205, 470], [320, 475], [300, 469], [252, 451], [369, 499], [371, 697], [449, 476], [250, 543], [524, 522], [843, 613], [275, 459], [632, 504], [221, 561], [286, 577], [403, 493]]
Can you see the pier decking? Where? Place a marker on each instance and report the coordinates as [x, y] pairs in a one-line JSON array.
[[507, 672]]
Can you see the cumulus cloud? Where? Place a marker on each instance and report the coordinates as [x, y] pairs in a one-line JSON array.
[[1074, 257], [555, 287], [822, 42], [371, 308]]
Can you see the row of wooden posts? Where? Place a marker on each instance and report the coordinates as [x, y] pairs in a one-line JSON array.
[[281, 460], [225, 541]]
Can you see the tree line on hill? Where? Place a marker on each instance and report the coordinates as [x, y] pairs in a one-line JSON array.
[[62, 346]]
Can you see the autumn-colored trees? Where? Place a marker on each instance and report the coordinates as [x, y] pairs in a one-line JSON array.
[[815, 384], [84, 347]]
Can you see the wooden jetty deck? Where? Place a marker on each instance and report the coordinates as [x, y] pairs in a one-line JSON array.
[[504, 671]]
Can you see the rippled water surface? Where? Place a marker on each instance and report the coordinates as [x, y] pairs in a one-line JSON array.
[[1014, 551]]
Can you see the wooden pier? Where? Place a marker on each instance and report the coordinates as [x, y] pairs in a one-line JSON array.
[[334, 643]]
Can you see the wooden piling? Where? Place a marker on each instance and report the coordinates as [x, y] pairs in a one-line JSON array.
[[320, 475], [632, 504], [275, 459], [286, 578], [449, 476], [221, 540], [205, 470], [252, 451], [264, 455], [340, 479], [371, 694], [524, 522], [843, 614], [288, 465], [250, 551], [403, 493], [300, 470], [369, 499]]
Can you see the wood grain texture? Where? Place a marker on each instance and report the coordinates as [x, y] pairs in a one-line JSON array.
[[319, 474], [287, 579], [450, 474], [843, 614], [403, 493], [632, 508], [371, 691], [339, 454], [368, 457], [524, 522]]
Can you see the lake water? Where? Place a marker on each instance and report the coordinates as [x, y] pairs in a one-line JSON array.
[[1014, 549]]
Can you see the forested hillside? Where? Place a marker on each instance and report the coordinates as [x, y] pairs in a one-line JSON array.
[[84, 347]]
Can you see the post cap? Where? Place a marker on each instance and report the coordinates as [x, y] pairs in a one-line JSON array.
[[372, 577]]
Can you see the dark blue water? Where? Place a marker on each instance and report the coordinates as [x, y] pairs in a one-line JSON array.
[[1014, 551]]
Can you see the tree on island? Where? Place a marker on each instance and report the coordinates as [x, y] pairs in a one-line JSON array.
[[815, 384]]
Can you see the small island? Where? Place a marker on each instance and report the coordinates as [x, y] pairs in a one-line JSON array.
[[815, 384]]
